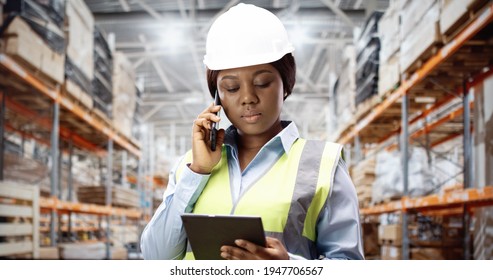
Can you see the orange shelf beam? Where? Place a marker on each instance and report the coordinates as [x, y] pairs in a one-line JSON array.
[[77, 110], [431, 126], [471, 197], [53, 203], [445, 52], [65, 134]]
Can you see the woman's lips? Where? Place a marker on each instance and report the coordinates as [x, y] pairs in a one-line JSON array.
[[251, 117]]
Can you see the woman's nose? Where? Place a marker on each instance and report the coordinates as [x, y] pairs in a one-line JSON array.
[[248, 95]]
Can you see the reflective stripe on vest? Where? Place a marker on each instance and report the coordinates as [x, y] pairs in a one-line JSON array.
[[289, 197]]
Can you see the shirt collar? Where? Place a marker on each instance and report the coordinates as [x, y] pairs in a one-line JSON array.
[[286, 137]]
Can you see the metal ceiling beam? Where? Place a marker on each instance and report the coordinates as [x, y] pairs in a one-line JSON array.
[[289, 11], [307, 81], [150, 98], [183, 10], [331, 5], [157, 47], [201, 4], [150, 10], [357, 4], [164, 79], [162, 76], [139, 62], [324, 74], [181, 111], [181, 80], [124, 5], [153, 111]]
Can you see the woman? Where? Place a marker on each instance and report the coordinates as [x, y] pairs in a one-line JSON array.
[[260, 166]]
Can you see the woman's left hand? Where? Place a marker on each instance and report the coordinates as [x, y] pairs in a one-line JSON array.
[[274, 250]]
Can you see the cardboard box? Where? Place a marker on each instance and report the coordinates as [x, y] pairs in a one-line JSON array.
[[412, 13], [388, 252], [426, 254], [389, 74], [82, 251], [49, 253], [389, 33], [119, 253], [124, 94], [77, 93], [390, 234], [418, 42], [24, 45], [370, 239], [453, 14], [80, 40]]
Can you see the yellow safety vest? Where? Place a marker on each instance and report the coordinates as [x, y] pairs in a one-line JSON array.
[[288, 198]]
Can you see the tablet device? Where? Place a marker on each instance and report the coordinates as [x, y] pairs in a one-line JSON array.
[[207, 233]]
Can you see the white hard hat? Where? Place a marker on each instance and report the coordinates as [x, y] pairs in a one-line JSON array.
[[245, 35]]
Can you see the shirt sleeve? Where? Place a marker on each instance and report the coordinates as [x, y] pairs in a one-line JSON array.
[[164, 236], [339, 227]]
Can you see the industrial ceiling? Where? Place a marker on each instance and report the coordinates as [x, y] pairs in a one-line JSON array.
[[165, 41]]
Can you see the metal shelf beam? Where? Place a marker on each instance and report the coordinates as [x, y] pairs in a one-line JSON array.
[[56, 96]]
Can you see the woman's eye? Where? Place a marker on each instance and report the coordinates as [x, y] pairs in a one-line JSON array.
[[263, 85], [231, 90]]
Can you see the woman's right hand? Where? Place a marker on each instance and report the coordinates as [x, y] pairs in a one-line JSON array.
[[203, 158]]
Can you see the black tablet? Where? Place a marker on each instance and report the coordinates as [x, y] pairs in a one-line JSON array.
[[207, 233]]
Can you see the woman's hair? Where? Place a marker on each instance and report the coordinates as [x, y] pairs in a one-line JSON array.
[[286, 66]]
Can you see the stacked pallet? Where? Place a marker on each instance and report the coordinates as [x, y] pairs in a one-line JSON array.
[[19, 220], [363, 176], [102, 82], [390, 39], [79, 66], [367, 57], [82, 251], [388, 183], [436, 238], [120, 197], [124, 94], [26, 171], [420, 33], [483, 233], [370, 240], [124, 234], [49, 253], [119, 253], [483, 134], [454, 15], [34, 38], [345, 90]]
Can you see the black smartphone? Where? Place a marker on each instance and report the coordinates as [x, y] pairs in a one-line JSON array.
[[213, 133]]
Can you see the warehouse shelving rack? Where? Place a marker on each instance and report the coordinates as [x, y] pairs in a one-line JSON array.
[[457, 67], [28, 98]]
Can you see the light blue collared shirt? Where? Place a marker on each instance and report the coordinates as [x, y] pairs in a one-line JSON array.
[[338, 227]]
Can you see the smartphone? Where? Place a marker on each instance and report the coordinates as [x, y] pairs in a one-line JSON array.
[[215, 125]]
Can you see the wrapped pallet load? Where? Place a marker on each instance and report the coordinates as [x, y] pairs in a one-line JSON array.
[[483, 156], [388, 184], [124, 94], [102, 83], [79, 67], [33, 36], [345, 89], [420, 33], [454, 14], [367, 57], [390, 39]]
